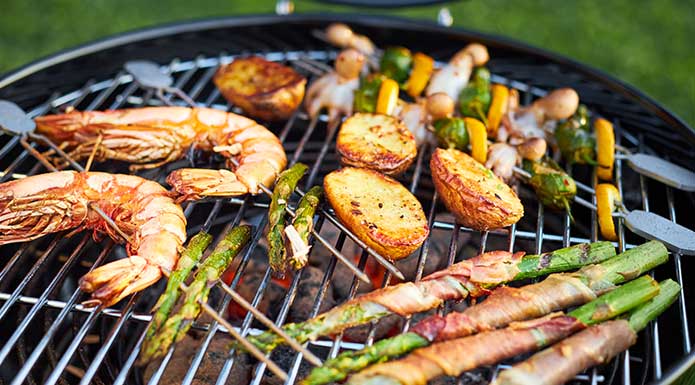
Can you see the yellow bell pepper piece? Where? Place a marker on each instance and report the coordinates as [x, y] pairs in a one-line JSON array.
[[605, 152], [388, 97], [423, 66], [607, 196], [477, 134], [498, 106]]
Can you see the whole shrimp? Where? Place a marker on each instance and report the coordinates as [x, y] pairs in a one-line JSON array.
[[155, 225], [152, 136]]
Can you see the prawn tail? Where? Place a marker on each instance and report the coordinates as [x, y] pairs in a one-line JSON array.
[[194, 183], [113, 281]]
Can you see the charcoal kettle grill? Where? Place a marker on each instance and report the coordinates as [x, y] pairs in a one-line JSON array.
[[47, 336]]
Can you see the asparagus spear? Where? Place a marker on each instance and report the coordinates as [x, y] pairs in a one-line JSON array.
[[286, 182], [298, 232], [189, 257], [504, 306], [472, 277], [590, 347], [458, 355], [175, 328]]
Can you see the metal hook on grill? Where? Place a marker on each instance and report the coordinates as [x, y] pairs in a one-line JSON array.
[[144, 68]]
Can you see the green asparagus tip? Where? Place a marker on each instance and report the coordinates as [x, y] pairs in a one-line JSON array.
[[642, 315]]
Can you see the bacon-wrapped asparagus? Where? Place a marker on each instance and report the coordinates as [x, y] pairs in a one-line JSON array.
[[298, 232], [503, 306], [473, 277], [455, 356], [593, 346]]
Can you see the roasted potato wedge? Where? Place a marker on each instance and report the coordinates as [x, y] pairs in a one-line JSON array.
[[263, 89], [477, 198], [378, 209], [378, 142]]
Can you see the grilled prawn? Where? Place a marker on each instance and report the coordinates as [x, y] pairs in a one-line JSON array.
[[335, 90], [155, 225], [150, 137]]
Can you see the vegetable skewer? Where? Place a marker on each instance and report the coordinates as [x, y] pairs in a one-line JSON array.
[[189, 258], [285, 185], [298, 232], [593, 346], [503, 306], [456, 356], [176, 326], [472, 277]]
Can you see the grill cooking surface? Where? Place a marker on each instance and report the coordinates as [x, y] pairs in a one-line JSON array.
[[47, 337]]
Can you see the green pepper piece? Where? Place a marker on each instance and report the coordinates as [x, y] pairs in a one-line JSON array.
[[368, 92], [554, 188], [575, 138], [396, 64], [451, 133], [475, 98]]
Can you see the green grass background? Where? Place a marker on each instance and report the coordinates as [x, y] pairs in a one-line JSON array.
[[649, 44]]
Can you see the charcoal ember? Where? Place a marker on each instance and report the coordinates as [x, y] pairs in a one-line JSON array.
[[308, 290], [213, 361], [272, 298], [386, 326], [284, 357]]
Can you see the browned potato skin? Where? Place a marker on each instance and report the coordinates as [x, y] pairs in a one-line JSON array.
[[390, 148], [263, 89], [477, 198], [378, 209]]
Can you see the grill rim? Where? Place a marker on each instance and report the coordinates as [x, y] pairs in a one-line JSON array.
[[630, 93], [357, 19]]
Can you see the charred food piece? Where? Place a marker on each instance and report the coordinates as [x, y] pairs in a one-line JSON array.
[[376, 141], [477, 198], [378, 209], [263, 89]]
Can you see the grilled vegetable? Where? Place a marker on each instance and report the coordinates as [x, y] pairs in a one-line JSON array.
[[451, 133], [593, 346], [498, 107], [366, 95], [475, 98], [605, 155], [378, 209], [388, 97], [189, 258], [504, 306], [553, 187], [440, 106], [284, 187], [456, 356], [263, 89], [396, 63], [301, 227], [423, 66], [478, 135], [472, 277], [176, 326], [575, 139], [607, 198], [477, 198], [376, 141]]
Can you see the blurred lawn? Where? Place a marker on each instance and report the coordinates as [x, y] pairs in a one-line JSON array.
[[649, 44]]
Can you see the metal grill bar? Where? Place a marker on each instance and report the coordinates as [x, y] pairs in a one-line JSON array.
[[120, 90]]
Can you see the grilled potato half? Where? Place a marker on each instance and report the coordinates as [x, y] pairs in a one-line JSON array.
[[378, 209], [376, 141], [263, 89], [477, 198]]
